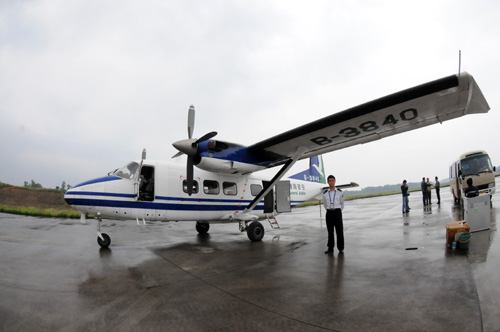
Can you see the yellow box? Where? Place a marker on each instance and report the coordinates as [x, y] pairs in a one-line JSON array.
[[453, 228]]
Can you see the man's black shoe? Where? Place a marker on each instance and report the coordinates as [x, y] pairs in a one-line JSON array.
[[341, 252], [328, 251]]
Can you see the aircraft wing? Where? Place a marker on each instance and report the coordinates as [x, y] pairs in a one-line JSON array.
[[434, 102]]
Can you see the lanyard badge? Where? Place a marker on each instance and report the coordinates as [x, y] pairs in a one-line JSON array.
[[332, 203]]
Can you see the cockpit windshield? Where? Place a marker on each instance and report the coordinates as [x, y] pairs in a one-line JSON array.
[[476, 164], [128, 171]]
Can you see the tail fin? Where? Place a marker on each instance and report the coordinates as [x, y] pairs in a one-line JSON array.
[[315, 173]]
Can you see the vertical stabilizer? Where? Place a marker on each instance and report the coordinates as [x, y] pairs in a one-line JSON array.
[[315, 173]]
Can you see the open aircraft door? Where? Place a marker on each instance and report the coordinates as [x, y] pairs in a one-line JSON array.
[[283, 197], [137, 181], [280, 195], [268, 199]]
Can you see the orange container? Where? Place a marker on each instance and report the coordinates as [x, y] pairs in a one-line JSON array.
[[453, 228]]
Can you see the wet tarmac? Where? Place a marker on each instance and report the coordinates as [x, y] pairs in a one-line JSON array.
[[396, 274]]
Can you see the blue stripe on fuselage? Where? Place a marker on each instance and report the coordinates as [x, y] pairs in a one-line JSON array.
[[163, 198], [99, 180], [98, 193], [157, 206], [192, 203], [208, 200]]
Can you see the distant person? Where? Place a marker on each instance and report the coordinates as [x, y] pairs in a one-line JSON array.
[[423, 187], [333, 201], [437, 186], [404, 191], [471, 190], [429, 191]]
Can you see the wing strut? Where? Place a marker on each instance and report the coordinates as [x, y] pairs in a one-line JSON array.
[[276, 178]]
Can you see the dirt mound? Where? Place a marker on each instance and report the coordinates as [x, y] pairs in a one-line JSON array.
[[25, 197]]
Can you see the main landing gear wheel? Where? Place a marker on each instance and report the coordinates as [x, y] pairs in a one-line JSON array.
[[202, 227], [255, 231], [106, 242]]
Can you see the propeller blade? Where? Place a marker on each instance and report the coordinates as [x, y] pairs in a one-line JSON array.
[[206, 137], [189, 172], [178, 154], [190, 148], [190, 121]]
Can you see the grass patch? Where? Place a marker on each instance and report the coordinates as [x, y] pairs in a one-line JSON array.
[[40, 212]]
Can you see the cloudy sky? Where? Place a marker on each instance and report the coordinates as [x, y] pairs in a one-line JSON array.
[[86, 85]]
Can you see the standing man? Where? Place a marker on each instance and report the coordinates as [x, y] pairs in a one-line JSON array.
[[429, 191], [437, 185], [404, 191], [423, 186], [333, 201]]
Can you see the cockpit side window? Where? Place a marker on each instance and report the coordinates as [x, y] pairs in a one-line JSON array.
[[128, 171]]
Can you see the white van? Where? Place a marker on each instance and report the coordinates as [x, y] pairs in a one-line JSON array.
[[475, 165]]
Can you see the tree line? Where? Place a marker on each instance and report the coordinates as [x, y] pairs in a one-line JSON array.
[[33, 184]]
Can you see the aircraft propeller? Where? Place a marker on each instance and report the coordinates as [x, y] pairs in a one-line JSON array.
[[189, 147]]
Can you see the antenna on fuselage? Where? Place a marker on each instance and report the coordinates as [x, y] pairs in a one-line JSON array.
[[459, 61], [143, 154]]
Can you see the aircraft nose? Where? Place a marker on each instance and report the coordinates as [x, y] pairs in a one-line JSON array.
[[68, 196]]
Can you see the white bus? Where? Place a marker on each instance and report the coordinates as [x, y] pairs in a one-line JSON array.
[[475, 165]]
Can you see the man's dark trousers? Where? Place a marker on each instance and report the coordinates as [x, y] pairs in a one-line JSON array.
[[334, 220]]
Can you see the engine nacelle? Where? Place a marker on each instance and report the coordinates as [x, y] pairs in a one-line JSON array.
[[226, 166]]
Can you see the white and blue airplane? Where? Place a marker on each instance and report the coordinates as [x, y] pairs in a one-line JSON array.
[[225, 187]]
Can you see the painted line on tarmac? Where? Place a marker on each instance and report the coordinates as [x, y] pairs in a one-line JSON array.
[[22, 239]]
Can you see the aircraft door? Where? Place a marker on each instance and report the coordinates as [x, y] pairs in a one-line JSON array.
[[137, 182], [283, 197], [146, 184], [268, 200]]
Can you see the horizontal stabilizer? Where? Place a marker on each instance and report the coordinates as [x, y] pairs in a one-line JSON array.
[[344, 186]]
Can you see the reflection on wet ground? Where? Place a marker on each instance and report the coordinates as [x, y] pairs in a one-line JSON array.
[[396, 274]]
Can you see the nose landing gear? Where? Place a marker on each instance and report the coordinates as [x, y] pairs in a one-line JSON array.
[[103, 239]]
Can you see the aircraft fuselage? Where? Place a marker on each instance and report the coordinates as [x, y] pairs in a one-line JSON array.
[[157, 191]]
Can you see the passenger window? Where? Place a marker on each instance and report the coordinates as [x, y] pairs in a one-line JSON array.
[[195, 186], [229, 188], [255, 189], [211, 187]]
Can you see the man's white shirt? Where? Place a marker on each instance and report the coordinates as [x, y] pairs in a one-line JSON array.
[[333, 199]]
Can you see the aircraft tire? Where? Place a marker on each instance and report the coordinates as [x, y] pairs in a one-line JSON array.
[[255, 231], [202, 227], [106, 242]]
